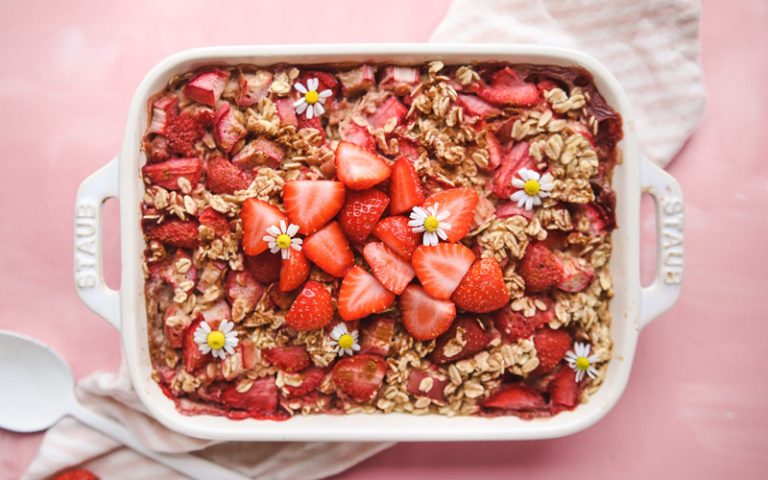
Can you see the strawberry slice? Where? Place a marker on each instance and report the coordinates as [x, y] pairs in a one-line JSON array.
[[564, 391], [477, 107], [467, 333], [577, 273], [360, 213], [388, 267], [540, 268], [259, 400], [433, 388], [243, 293], [514, 397], [228, 130], [163, 110], [358, 168], [258, 152], [167, 174], [311, 378], [405, 190], [179, 233], [441, 268], [361, 295], [287, 112], [399, 79], [360, 136], [358, 80], [511, 163], [257, 216], [175, 323], [391, 108], [293, 271], [311, 204], [223, 177], [206, 87], [288, 359], [376, 335], [329, 249], [312, 309], [253, 87], [514, 325], [359, 376], [507, 88], [192, 356], [265, 267], [397, 235], [460, 203], [425, 317], [482, 289], [215, 221], [551, 346]]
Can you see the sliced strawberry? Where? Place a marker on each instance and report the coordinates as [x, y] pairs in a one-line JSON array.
[[441, 268], [361, 295], [551, 346], [257, 217], [511, 163], [425, 317], [258, 152], [168, 173], [228, 129], [433, 388], [193, 358], [507, 88], [376, 335], [288, 359], [564, 391], [510, 209], [397, 235], [260, 399], [329, 249], [253, 87], [360, 213], [206, 87], [175, 323], [312, 309], [163, 110], [389, 268], [540, 268], [311, 378], [359, 376], [360, 136], [514, 325], [358, 80], [514, 397], [212, 273], [460, 203], [482, 289], [391, 108], [405, 189], [217, 312], [75, 474], [179, 233], [243, 293], [265, 267], [311, 204], [223, 177], [215, 221], [477, 107], [287, 112], [577, 273], [358, 168], [468, 334], [399, 79], [293, 271]]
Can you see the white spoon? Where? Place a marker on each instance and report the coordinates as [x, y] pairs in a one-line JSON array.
[[37, 389]]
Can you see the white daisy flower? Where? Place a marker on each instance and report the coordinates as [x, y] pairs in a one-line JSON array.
[[311, 102], [533, 187], [346, 340], [280, 239], [432, 222], [581, 361], [220, 342]]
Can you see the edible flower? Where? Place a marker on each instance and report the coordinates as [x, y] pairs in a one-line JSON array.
[[532, 188], [281, 239], [346, 340], [580, 360], [220, 342], [311, 102], [432, 222]]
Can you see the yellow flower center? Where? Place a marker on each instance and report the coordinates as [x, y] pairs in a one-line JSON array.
[[283, 240], [531, 187], [431, 223], [346, 341], [216, 340], [311, 97], [582, 363]]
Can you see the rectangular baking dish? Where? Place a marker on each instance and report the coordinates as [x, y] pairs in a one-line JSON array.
[[632, 308]]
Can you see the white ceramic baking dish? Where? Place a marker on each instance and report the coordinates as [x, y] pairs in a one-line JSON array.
[[633, 306]]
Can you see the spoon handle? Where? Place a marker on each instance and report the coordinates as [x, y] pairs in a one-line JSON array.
[[190, 465]]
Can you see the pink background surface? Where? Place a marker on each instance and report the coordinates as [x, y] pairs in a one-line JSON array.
[[696, 403]]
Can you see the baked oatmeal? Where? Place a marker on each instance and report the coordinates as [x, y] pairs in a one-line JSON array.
[[379, 238]]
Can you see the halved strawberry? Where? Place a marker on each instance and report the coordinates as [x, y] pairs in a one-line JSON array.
[[243, 293], [357, 80], [360, 213], [175, 323], [288, 359], [329, 249], [179, 233], [260, 399], [167, 174], [194, 359], [551, 346], [460, 203], [468, 333], [516, 396], [312, 309], [425, 317], [359, 376], [354, 133], [223, 177], [215, 221], [405, 190], [311, 378], [358, 168], [441, 268], [257, 217], [293, 271], [182, 134], [540, 268], [564, 391], [397, 235], [206, 87], [265, 267], [511, 163], [311, 204], [433, 388], [477, 107], [482, 289], [163, 110], [376, 335], [391, 108], [514, 325], [258, 152], [399, 79], [253, 87], [228, 129], [394, 272], [507, 88], [577, 273], [361, 295], [287, 112]]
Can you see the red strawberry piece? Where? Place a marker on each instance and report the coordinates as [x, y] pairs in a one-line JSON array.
[[510, 209], [405, 189], [217, 312], [358, 80], [248, 352], [433, 388], [556, 240], [514, 397], [311, 378], [228, 130], [482, 289], [312, 308], [389, 268], [206, 87], [211, 274], [168, 173], [376, 335], [359, 376], [546, 85], [311, 204], [540, 268], [514, 325], [163, 110], [358, 168], [484, 211], [460, 203], [397, 235], [425, 317], [441, 268], [551, 346], [286, 111], [192, 356], [253, 87], [507, 88], [293, 271], [593, 216], [495, 152], [179, 233], [215, 221], [223, 177], [564, 391], [577, 273], [243, 292], [329, 249], [399, 79], [183, 133], [260, 399], [175, 323], [477, 107], [511, 163], [258, 152], [156, 149], [288, 359], [354, 133], [360, 213], [257, 217], [361, 295], [265, 267], [467, 333], [76, 474], [391, 108]]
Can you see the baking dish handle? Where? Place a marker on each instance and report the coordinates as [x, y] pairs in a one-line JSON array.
[[659, 297], [89, 278]]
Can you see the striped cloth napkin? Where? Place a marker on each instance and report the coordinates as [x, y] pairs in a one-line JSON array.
[[652, 46]]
